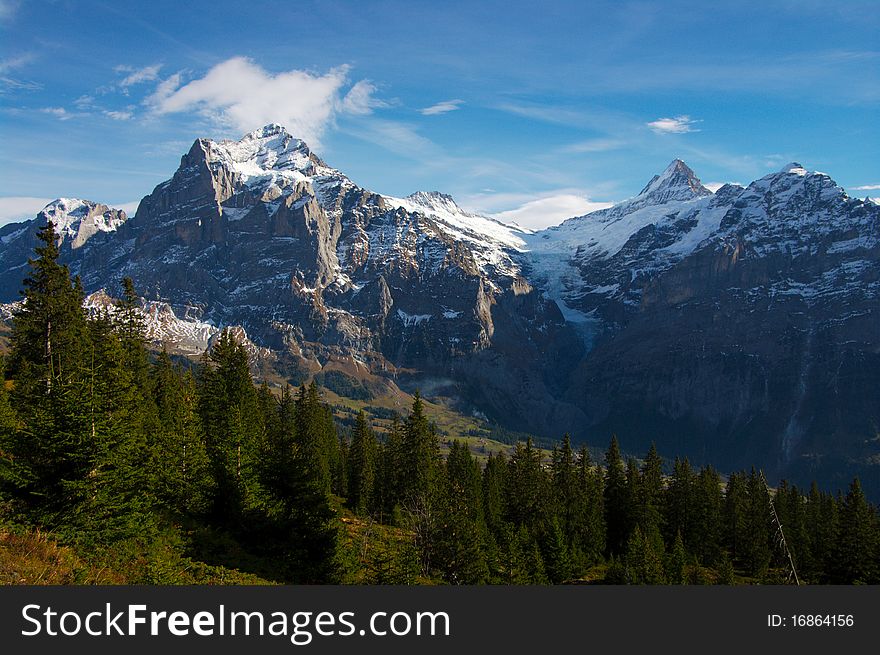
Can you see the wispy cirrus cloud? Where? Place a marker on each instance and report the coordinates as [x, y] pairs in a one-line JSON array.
[[59, 112], [361, 100], [677, 125], [9, 64], [443, 107], [125, 115], [594, 145], [866, 187], [137, 75], [239, 93]]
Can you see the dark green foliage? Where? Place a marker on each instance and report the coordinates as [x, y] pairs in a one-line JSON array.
[[362, 467], [115, 454], [179, 458], [617, 498], [858, 543], [344, 385], [458, 549]]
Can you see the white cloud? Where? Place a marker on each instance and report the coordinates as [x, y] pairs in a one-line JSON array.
[[60, 112], [866, 187], [678, 125], [138, 75], [548, 209], [360, 101], [11, 63], [594, 145], [119, 115], [240, 94], [442, 107], [20, 208]]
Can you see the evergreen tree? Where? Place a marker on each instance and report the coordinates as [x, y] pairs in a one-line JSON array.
[[856, 551], [494, 492], [53, 449], [676, 563], [706, 529], [458, 550], [735, 508], [362, 466], [680, 510], [228, 409], [591, 528], [556, 553], [650, 493], [617, 509], [756, 551], [301, 530], [821, 517], [527, 491], [179, 460], [644, 561]]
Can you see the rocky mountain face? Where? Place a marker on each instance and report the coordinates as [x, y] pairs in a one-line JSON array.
[[738, 327], [262, 234]]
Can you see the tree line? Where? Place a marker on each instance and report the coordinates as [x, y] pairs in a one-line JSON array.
[[102, 443]]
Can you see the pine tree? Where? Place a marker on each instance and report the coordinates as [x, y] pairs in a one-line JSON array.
[[419, 454], [617, 509], [457, 547], [856, 551], [650, 493], [362, 466], [708, 501], [302, 532], [644, 561], [229, 415], [53, 450], [756, 548], [680, 511], [179, 460], [735, 508], [556, 553], [494, 492], [676, 563], [821, 518], [527, 489], [591, 531]]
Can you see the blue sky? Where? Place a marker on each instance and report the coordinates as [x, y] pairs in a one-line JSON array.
[[530, 111]]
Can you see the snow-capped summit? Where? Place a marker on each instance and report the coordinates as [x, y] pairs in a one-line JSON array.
[[793, 167], [264, 151], [677, 182], [436, 201], [78, 220]]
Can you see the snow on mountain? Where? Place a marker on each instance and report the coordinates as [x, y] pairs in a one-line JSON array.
[[78, 220], [555, 255], [615, 252], [490, 239]]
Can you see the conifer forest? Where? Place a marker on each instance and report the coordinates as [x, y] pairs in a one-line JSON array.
[[124, 465]]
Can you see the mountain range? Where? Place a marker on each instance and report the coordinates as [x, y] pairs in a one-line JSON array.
[[737, 328]]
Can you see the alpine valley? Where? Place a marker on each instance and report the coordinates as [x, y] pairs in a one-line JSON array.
[[738, 327]]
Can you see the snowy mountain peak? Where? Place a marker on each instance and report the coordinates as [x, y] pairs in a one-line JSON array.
[[677, 182], [793, 167], [435, 201], [264, 151], [78, 220]]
